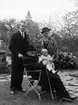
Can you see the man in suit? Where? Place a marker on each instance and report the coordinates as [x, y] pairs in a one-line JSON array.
[[19, 45]]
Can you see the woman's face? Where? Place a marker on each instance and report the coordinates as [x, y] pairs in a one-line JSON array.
[[46, 34]]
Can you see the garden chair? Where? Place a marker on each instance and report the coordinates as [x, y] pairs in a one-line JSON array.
[[30, 79]]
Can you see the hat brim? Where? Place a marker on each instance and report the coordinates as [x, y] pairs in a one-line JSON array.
[[46, 31]]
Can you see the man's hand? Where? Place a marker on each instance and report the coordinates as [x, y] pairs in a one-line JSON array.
[[20, 55]]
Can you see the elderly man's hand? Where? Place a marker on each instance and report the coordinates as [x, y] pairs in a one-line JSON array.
[[31, 53], [20, 55]]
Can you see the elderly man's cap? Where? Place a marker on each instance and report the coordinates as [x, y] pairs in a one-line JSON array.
[[45, 29]]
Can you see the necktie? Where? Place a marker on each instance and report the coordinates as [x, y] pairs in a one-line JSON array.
[[23, 35]]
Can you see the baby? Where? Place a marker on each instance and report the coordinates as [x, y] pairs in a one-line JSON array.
[[47, 60]]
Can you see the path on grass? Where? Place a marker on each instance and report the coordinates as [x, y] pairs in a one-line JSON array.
[[70, 82]]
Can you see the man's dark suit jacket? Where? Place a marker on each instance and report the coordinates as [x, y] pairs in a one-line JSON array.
[[18, 44]]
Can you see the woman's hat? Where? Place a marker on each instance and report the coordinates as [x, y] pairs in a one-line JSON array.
[[45, 29]]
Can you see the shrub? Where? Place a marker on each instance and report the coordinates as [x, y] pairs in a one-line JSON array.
[[65, 61]]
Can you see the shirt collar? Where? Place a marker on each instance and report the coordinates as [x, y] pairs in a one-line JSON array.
[[21, 32]]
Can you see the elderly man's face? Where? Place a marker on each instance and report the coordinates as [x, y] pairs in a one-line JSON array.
[[23, 27]]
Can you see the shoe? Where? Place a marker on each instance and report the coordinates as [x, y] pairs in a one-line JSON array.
[[54, 92], [42, 90], [65, 100], [73, 98], [21, 90], [13, 92]]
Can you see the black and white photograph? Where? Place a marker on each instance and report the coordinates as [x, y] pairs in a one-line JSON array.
[[38, 52]]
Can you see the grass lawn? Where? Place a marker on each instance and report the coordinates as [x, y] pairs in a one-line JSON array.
[[32, 99]]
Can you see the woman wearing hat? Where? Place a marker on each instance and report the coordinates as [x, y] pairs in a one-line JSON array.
[[47, 41], [50, 44]]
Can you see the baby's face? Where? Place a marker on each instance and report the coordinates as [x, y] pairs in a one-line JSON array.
[[45, 53]]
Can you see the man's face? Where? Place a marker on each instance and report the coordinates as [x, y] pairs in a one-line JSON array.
[[23, 27]]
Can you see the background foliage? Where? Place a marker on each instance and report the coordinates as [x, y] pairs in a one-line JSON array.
[[66, 37]]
